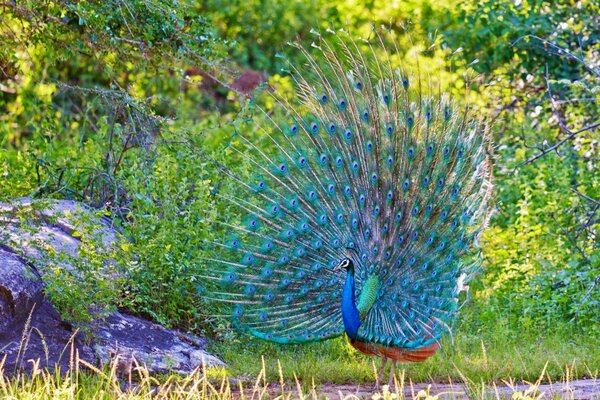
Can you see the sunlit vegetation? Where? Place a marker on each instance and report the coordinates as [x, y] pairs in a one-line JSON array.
[[119, 104]]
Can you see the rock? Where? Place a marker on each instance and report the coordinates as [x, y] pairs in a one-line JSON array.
[[18, 291], [30, 226], [149, 344], [42, 336], [32, 329]]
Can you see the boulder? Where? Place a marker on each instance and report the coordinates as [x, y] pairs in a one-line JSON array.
[[19, 290], [30, 227], [163, 350], [32, 329]]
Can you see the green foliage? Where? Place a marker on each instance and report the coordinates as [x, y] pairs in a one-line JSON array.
[[109, 103], [138, 48], [533, 268], [490, 31], [86, 90], [168, 225], [151, 34], [276, 23], [86, 284], [541, 75]]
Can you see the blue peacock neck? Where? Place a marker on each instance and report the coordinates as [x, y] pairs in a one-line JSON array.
[[350, 313]]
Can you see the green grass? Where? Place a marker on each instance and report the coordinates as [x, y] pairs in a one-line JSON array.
[[85, 381], [477, 363], [489, 354]]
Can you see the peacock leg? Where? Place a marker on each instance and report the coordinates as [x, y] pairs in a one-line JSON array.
[[392, 372], [381, 371]]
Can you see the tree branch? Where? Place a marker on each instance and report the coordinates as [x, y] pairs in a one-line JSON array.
[[573, 242], [560, 143], [588, 198], [560, 51]]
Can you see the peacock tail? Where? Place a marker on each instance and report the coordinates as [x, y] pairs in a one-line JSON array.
[[369, 165]]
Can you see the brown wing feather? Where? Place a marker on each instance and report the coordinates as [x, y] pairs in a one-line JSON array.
[[395, 353]]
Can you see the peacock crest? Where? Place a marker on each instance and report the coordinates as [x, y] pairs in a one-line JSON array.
[[366, 164]]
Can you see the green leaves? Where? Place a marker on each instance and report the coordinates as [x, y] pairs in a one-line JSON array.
[[107, 102]]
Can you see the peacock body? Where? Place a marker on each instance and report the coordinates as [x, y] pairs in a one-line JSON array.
[[360, 221]]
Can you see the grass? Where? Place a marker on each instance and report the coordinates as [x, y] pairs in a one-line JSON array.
[[491, 354], [84, 381], [486, 365]]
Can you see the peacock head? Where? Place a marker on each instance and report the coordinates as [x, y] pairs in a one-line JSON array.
[[345, 263]]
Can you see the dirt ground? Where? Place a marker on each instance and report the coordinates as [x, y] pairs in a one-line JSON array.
[[584, 389]]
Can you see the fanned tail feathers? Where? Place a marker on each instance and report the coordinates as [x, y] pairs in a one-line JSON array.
[[365, 164]]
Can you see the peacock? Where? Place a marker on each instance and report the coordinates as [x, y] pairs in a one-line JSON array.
[[367, 193]]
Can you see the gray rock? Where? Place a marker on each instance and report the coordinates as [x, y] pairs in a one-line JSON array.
[[18, 291], [32, 226], [161, 350], [32, 329], [44, 337]]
